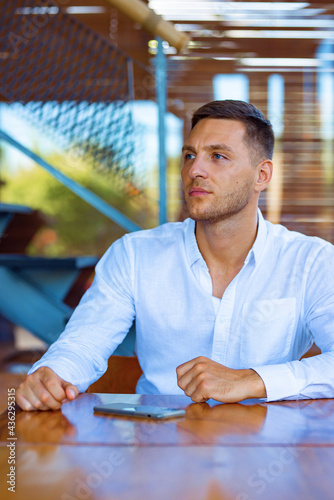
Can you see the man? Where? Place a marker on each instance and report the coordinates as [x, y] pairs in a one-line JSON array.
[[225, 302]]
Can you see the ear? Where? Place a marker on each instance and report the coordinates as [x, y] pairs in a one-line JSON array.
[[264, 174]]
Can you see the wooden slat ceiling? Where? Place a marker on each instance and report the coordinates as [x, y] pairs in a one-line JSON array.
[[225, 38], [224, 35]]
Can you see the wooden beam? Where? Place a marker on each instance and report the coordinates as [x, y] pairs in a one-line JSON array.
[[151, 22]]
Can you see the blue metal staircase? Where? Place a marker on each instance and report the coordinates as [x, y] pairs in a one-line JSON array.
[[37, 293], [40, 293], [78, 88]]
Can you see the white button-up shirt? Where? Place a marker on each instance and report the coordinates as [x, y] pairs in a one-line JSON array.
[[278, 304]]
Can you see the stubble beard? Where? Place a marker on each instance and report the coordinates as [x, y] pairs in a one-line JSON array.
[[225, 207]]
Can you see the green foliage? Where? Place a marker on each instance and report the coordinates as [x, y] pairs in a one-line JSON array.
[[76, 227]]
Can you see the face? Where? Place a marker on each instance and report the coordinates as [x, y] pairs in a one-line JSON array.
[[218, 175]]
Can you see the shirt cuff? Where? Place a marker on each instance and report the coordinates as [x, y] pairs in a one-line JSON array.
[[279, 380], [61, 371]]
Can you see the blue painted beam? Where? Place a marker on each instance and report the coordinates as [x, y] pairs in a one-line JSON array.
[[161, 92], [53, 277], [9, 208], [27, 262], [32, 298], [81, 191], [26, 305]]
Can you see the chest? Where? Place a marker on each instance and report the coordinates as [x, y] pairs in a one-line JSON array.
[[221, 278]]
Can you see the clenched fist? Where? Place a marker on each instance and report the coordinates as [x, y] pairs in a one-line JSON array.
[[202, 379], [44, 390]]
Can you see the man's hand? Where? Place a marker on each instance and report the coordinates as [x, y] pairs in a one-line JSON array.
[[44, 390], [201, 379]]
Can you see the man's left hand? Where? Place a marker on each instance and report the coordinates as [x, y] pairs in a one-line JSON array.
[[202, 379]]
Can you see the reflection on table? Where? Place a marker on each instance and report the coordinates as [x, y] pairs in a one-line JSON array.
[[217, 451]]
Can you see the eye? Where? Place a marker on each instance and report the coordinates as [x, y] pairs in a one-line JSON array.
[[218, 156], [189, 156]]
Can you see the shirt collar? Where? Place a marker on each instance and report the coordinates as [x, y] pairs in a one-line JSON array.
[[260, 240], [194, 254], [192, 249]]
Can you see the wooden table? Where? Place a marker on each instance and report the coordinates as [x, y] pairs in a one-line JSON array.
[[275, 451]]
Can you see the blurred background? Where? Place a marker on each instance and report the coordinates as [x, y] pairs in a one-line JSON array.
[[81, 105]]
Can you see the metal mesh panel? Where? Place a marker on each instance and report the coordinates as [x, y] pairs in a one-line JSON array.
[[67, 80]]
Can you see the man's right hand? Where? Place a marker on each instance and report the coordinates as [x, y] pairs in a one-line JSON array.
[[44, 390]]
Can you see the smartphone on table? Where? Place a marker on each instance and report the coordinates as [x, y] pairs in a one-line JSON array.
[[134, 410]]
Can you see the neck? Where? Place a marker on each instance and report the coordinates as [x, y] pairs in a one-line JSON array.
[[226, 243]]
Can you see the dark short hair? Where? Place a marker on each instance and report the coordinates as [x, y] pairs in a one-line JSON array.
[[259, 131]]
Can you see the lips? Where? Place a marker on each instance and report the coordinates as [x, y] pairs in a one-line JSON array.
[[197, 191]]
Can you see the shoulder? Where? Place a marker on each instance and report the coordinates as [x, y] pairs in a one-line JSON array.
[[150, 241], [171, 232], [285, 240]]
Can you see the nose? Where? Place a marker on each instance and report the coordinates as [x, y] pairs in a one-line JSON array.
[[198, 168]]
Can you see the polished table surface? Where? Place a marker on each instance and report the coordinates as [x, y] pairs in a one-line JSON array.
[[242, 451]]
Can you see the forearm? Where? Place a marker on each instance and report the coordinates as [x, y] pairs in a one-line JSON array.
[[256, 387], [238, 385], [74, 362]]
